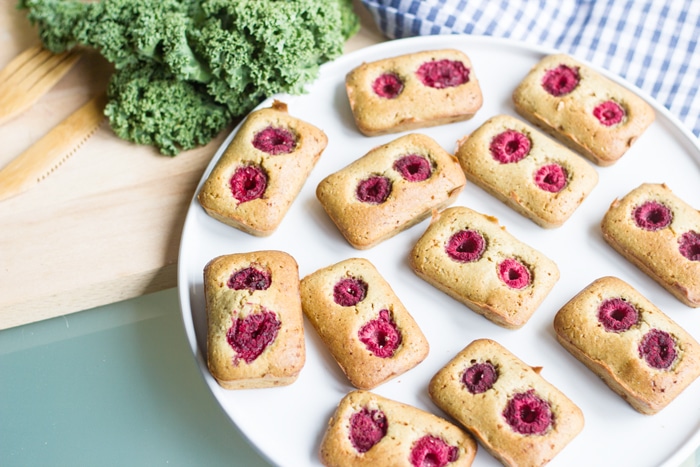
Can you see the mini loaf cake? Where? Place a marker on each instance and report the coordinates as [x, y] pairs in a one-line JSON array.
[[660, 234], [362, 322], [413, 91], [368, 430], [585, 110], [262, 171], [255, 335], [539, 178], [391, 188], [634, 347], [516, 415], [473, 259]]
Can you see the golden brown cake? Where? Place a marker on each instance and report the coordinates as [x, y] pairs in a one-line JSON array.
[[413, 91], [518, 416], [262, 171], [391, 188], [255, 331], [582, 108], [660, 234], [473, 259], [362, 322], [368, 430], [536, 176], [638, 351]]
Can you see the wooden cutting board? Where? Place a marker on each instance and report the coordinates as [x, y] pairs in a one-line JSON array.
[[106, 225]]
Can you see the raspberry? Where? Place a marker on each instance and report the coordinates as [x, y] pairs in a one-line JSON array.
[[658, 349], [690, 245], [249, 278], [388, 85], [441, 74], [430, 451], [616, 315], [248, 183], [275, 141], [652, 215], [367, 428], [551, 178], [250, 336], [413, 167], [527, 414], [509, 146], [380, 335], [374, 190], [349, 292], [609, 113], [514, 273], [466, 246], [560, 80], [479, 377]]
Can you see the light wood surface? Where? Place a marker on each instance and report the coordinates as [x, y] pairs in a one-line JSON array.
[[106, 225]]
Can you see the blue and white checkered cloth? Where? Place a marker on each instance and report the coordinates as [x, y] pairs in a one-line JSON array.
[[653, 44]]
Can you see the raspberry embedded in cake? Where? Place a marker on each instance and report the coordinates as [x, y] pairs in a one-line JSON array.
[[275, 141], [509, 146], [440, 74], [249, 278], [561, 80], [551, 177], [380, 335], [528, 414], [479, 377], [466, 246], [514, 273], [250, 336], [658, 349], [652, 215], [413, 168], [388, 86], [689, 245], [431, 451], [373, 190], [617, 315], [367, 428], [248, 183], [609, 113], [349, 291]]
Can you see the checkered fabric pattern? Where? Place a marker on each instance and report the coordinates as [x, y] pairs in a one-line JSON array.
[[652, 44]]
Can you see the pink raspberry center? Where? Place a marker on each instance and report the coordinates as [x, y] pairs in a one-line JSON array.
[[441, 74], [248, 183], [609, 113], [466, 246], [380, 335], [652, 215], [690, 245], [479, 377], [616, 315], [388, 86], [374, 190], [658, 349], [509, 146], [561, 80], [250, 336], [514, 273], [349, 292], [249, 278], [413, 168], [275, 141], [551, 178], [430, 451], [527, 414], [367, 428]]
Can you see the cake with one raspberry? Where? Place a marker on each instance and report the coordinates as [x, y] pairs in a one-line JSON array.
[[516, 415], [536, 176], [472, 258], [659, 233], [369, 430], [638, 351], [362, 322], [585, 110], [412, 91], [391, 188], [261, 172], [255, 330]]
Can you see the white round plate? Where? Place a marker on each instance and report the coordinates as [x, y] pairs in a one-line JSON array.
[[286, 424]]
